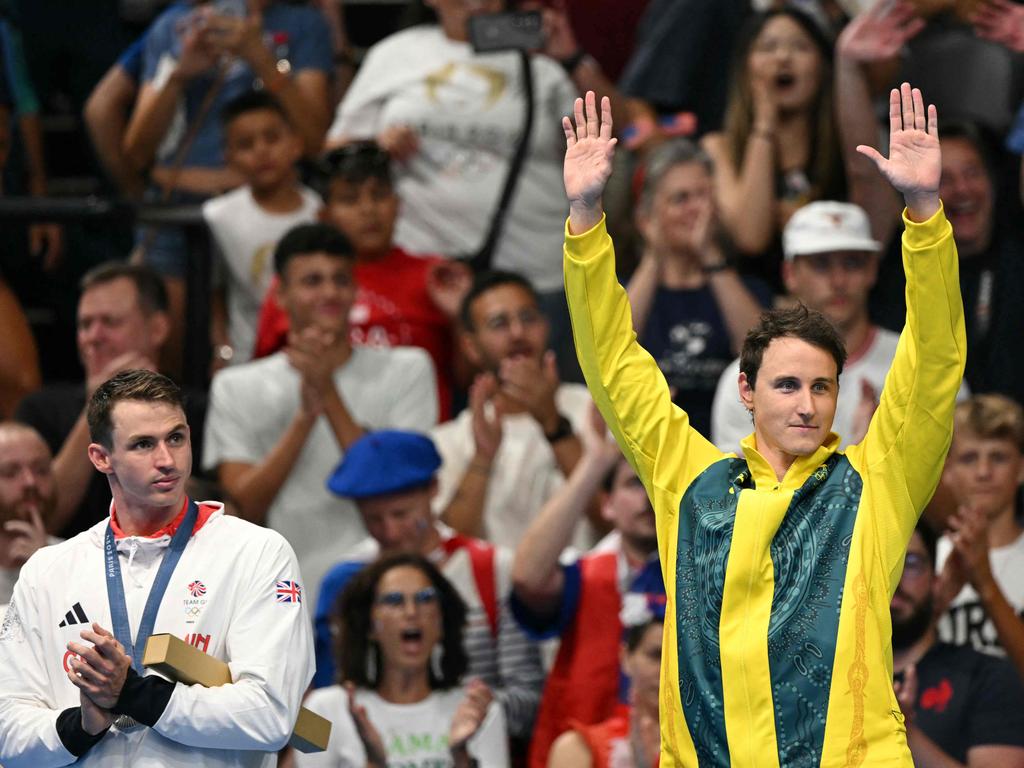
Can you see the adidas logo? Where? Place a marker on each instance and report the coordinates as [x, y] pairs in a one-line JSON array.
[[75, 616]]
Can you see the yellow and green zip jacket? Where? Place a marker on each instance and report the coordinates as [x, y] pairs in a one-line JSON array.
[[777, 648]]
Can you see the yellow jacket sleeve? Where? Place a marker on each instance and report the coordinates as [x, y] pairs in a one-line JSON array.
[[902, 454], [655, 436]]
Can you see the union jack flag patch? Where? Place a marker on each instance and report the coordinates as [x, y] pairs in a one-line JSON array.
[[289, 592]]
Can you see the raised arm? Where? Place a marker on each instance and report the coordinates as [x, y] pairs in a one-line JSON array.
[[875, 36], [623, 378], [912, 427], [537, 579]]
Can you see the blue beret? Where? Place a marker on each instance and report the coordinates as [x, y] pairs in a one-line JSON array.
[[385, 462]]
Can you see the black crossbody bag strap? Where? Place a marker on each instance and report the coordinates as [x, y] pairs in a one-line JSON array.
[[485, 255]]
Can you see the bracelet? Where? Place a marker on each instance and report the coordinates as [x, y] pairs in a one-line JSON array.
[[714, 269], [562, 430], [570, 63]]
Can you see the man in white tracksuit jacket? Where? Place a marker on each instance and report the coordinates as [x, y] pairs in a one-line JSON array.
[[68, 689]]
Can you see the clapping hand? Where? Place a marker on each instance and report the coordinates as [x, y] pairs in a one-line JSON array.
[[448, 282], [969, 536], [99, 671], [914, 165], [470, 714], [906, 693], [533, 384], [880, 32], [1001, 22], [598, 441], [373, 744], [487, 428], [588, 160]]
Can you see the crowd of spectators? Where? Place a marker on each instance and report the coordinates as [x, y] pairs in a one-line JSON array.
[[392, 382]]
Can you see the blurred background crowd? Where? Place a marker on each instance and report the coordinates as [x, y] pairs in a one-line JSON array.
[[338, 225]]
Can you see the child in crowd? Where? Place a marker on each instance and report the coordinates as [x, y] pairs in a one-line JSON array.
[[246, 223], [403, 299], [630, 738]]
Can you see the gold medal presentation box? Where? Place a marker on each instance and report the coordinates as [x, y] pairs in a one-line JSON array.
[[173, 657]]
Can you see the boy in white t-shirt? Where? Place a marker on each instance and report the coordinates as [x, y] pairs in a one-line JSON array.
[[981, 599], [247, 222]]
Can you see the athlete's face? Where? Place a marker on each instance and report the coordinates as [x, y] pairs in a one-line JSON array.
[[400, 522], [912, 606], [984, 473], [406, 619], [643, 667], [794, 401], [150, 458]]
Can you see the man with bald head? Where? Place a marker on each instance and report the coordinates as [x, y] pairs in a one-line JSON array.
[[27, 498]]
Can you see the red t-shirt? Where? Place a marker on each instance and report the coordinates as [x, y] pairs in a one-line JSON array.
[[392, 308]]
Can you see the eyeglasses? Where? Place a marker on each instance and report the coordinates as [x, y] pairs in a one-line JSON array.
[[397, 600], [503, 321], [915, 564]]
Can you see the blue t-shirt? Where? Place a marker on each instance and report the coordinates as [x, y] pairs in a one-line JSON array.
[[131, 59], [687, 335], [298, 34]]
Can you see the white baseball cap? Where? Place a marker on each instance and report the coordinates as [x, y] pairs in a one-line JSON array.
[[826, 226]]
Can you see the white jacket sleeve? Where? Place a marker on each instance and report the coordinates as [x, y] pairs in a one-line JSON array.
[[28, 706], [270, 647]]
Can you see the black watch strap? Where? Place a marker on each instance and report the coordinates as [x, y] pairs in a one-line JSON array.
[[561, 431], [571, 62]]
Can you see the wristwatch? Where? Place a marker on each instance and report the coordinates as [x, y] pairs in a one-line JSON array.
[[571, 62], [561, 431]]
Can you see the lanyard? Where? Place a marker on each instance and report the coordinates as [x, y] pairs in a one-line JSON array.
[[115, 587]]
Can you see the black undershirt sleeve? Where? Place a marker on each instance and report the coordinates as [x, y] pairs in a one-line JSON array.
[[76, 739], [144, 699]]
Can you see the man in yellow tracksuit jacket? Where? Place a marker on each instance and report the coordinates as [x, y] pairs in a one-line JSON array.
[[779, 566]]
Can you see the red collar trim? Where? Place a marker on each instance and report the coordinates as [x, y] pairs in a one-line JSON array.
[[168, 530]]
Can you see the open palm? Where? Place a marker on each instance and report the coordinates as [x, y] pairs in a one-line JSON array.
[[589, 150], [879, 33], [914, 165]]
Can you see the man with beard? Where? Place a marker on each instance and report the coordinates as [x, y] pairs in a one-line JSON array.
[[579, 602], [962, 707], [27, 499], [510, 450]]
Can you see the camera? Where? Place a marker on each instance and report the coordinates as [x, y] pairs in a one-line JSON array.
[[518, 31]]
